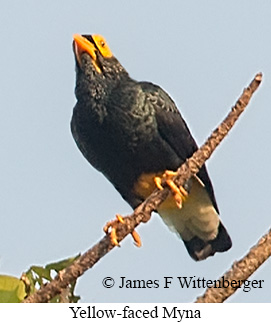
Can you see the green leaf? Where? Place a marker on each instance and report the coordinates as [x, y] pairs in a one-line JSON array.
[[37, 276], [42, 272], [57, 266], [12, 289]]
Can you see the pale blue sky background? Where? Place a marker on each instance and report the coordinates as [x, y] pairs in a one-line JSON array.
[[53, 204]]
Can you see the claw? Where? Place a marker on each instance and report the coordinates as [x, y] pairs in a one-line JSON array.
[[178, 196], [113, 237], [136, 238], [113, 234], [120, 218], [179, 193], [158, 182]]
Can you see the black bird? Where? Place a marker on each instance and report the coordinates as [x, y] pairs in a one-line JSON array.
[[133, 132]]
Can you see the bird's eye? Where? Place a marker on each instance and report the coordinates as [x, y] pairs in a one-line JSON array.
[[102, 43]]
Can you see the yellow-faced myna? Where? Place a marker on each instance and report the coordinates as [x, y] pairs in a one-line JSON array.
[[133, 132]]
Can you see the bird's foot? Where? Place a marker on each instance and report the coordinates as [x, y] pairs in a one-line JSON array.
[[179, 193], [112, 225]]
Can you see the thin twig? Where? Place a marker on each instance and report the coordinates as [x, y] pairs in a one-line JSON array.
[[143, 212], [240, 271]]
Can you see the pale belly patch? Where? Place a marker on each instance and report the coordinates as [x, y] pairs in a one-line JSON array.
[[197, 217]]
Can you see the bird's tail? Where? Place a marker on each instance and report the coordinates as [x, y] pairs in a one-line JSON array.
[[199, 249], [197, 222]]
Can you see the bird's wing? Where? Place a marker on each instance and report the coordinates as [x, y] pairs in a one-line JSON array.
[[173, 129], [197, 222]]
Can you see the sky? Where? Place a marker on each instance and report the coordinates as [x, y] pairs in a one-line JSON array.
[[53, 204]]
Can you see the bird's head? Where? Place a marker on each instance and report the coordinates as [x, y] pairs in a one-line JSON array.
[[95, 63]]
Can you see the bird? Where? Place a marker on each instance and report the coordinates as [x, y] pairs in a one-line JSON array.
[[133, 133]]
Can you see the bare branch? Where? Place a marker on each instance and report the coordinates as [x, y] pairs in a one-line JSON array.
[[240, 270], [144, 210]]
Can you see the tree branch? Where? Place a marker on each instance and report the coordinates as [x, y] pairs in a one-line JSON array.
[[240, 270], [143, 212]]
